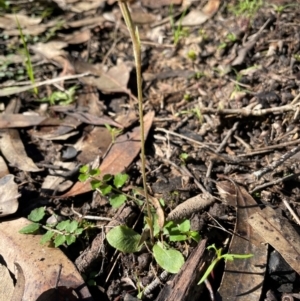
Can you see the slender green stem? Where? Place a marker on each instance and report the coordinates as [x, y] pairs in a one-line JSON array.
[[134, 35]]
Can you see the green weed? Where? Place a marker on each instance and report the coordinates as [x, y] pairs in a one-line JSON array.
[[246, 8], [219, 257], [28, 63], [178, 31], [59, 233]]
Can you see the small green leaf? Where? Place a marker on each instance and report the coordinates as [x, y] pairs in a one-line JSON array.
[[83, 177], [180, 237], [185, 226], [29, 229], [105, 189], [84, 169], [124, 239], [96, 184], [59, 240], [70, 239], [170, 260], [78, 231], [107, 178], [46, 237], [62, 225], [231, 257], [195, 236], [162, 202], [120, 180], [117, 200], [72, 226], [95, 172], [208, 271], [37, 214]]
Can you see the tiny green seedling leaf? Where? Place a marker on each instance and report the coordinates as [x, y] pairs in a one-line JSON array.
[[124, 239], [29, 229], [105, 189], [120, 180], [72, 226], [70, 239], [185, 226], [83, 177], [59, 240], [37, 214], [117, 200], [84, 169], [46, 237], [62, 225], [95, 172], [170, 260]]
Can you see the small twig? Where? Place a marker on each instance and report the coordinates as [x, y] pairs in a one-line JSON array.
[[90, 217], [220, 148], [277, 181], [258, 174], [249, 112], [186, 138], [155, 283], [289, 208], [210, 290], [269, 148]]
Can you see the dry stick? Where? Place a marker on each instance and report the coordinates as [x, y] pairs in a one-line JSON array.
[[14, 90], [280, 180], [287, 205], [249, 112], [134, 35], [220, 148], [155, 283], [269, 148], [258, 174], [187, 138]]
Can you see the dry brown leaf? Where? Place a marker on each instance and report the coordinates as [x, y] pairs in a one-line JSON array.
[[114, 80], [279, 233], [20, 285], [243, 279], [197, 17], [121, 154], [60, 132], [51, 49], [159, 4], [21, 121], [40, 264], [13, 150], [82, 6], [78, 37], [7, 284], [54, 182], [3, 168], [8, 196], [92, 146], [96, 21], [24, 20]]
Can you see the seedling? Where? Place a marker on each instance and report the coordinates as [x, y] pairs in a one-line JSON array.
[[219, 257], [109, 186], [28, 63], [62, 97], [183, 157], [114, 132], [178, 31], [246, 8], [192, 55], [63, 232]]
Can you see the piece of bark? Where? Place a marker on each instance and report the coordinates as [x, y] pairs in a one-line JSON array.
[[184, 286], [243, 278]]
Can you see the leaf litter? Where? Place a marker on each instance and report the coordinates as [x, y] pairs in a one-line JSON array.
[[221, 92]]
